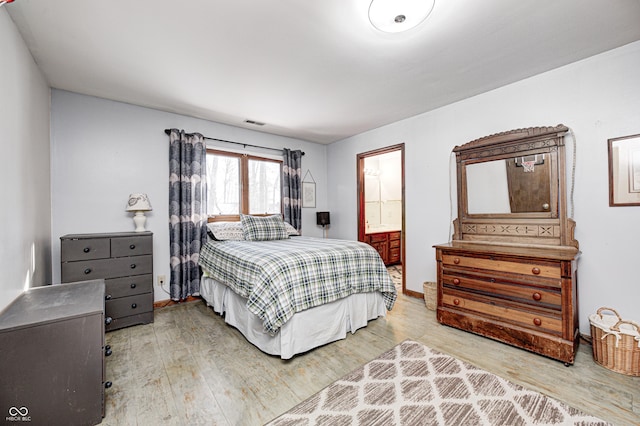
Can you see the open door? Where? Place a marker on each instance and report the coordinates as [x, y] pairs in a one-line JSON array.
[[381, 204]]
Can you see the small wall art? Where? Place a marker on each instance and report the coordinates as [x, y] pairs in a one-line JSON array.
[[308, 191], [624, 171]]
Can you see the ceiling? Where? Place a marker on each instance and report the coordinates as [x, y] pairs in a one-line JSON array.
[[312, 70]]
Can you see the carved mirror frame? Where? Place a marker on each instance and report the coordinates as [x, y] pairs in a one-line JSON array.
[[550, 227]]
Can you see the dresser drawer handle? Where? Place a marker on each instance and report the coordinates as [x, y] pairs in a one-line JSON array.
[[456, 260], [132, 246], [456, 302], [536, 271], [134, 305], [108, 320], [537, 296], [133, 266], [107, 385], [107, 351], [537, 321], [108, 297], [86, 249], [133, 285], [87, 271], [456, 281]]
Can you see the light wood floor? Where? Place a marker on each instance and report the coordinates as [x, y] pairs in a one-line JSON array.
[[190, 368]]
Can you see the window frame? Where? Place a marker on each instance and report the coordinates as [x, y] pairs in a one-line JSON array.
[[244, 185]]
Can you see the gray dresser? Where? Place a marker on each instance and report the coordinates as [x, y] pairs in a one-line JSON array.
[[52, 355], [125, 261]]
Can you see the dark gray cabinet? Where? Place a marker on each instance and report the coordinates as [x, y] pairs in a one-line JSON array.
[[125, 261], [52, 355]]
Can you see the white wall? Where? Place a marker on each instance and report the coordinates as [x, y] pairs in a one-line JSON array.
[[104, 150], [599, 98], [25, 216]]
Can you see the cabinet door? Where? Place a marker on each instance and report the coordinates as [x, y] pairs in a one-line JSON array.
[[61, 363]]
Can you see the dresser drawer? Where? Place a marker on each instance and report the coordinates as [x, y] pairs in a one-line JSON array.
[[488, 307], [489, 285], [377, 238], [84, 249], [106, 268], [394, 255], [550, 270], [394, 236], [130, 305], [128, 286], [131, 246], [394, 243]]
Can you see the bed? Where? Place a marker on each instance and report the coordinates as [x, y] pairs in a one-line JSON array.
[[289, 294]]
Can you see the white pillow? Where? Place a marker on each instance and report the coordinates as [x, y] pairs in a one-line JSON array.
[[225, 231], [290, 229]]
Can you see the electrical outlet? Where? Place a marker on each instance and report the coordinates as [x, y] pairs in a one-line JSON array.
[[161, 280]]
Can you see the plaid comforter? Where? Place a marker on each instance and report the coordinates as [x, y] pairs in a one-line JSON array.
[[282, 277]]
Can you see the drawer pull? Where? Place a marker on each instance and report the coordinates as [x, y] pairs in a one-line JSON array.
[[134, 305], [537, 321], [107, 351], [456, 281], [132, 246], [107, 297], [87, 271], [86, 249], [456, 260], [108, 320], [536, 271], [537, 296], [456, 302], [133, 285], [133, 266], [107, 385]]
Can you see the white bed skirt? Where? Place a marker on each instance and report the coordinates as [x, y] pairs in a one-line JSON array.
[[305, 330]]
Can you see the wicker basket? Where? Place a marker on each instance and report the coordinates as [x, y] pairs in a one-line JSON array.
[[616, 342], [430, 295]]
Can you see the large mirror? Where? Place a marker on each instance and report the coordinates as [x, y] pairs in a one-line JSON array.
[[512, 185], [509, 190], [383, 192]]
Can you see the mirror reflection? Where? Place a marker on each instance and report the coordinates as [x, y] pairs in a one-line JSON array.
[[513, 185], [383, 192]]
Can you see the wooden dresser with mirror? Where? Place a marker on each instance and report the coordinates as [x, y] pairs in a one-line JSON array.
[[510, 271]]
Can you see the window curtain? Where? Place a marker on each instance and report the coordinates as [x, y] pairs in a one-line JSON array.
[[292, 187], [187, 211]]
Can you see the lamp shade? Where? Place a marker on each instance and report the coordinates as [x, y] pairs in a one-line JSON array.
[[138, 202], [322, 218]]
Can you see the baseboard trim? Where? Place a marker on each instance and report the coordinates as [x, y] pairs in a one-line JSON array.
[[168, 302]]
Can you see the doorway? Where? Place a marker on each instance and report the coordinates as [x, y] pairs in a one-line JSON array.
[[381, 204]]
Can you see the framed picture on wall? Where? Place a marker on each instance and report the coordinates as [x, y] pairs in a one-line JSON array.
[[624, 171], [308, 194]]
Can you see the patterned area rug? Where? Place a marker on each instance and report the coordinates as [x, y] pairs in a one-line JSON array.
[[395, 272], [414, 385]]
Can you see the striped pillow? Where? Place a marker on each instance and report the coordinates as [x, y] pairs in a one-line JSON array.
[[263, 228]]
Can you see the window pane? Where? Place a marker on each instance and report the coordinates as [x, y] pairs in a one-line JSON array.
[[223, 183], [264, 187]]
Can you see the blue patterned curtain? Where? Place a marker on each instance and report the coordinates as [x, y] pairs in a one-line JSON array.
[[187, 211], [292, 187]]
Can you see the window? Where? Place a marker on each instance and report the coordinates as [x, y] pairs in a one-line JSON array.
[[240, 183]]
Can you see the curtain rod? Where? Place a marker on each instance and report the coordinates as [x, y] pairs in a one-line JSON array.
[[168, 132]]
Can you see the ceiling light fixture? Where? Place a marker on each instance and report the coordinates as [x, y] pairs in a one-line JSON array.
[[394, 16]]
